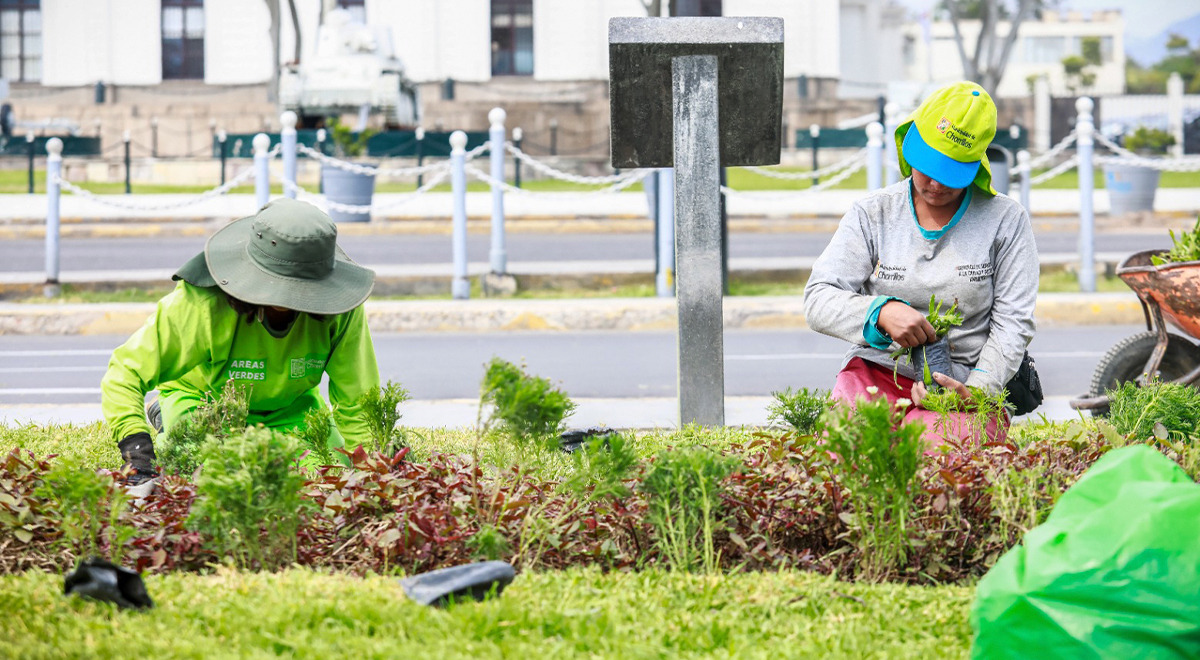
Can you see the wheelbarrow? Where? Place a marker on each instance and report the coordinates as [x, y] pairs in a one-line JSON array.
[[1170, 295]]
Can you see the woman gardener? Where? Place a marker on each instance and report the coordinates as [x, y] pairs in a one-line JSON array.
[[944, 231], [273, 304]]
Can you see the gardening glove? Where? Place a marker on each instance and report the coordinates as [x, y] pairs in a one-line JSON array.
[[138, 451]]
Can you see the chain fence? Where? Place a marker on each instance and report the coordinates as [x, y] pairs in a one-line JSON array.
[[801, 176], [113, 200], [363, 209]]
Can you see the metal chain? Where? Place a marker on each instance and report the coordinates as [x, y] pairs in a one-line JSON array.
[[824, 185], [798, 176], [624, 182], [1055, 151], [306, 196], [367, 169], [1165, 164], [1065, 166], [104, 199], [559, 174], [1114, 147]]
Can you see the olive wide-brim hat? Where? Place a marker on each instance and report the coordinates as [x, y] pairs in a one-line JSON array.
[[286, 255]]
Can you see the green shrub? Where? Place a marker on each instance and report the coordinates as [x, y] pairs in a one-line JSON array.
[[1185, 247], [1149, 140], [314, 434], [683, 505], [528, 408], [381, 409], [1136, 411], [602, 466], [877, 456], [1021, 499], [89, 506], [981, 409], [346, 142], [248, 498], [219, 417], [801, 410]]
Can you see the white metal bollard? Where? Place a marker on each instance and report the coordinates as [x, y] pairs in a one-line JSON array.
[[1084, 129], [498, 257], [54, 147], [891, 163], [1175, 112], [1025, 167], [287, 138], [874, 155], [664, 280], [262, 171], [1041, 114], [460, 287]]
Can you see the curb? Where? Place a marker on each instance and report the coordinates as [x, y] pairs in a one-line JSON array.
[[491, 315], [34, 229]]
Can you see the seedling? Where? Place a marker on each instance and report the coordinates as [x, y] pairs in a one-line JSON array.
[[1185, 247], [941, 322]]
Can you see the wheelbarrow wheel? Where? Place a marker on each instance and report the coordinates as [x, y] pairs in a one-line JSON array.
[[1124, 362]]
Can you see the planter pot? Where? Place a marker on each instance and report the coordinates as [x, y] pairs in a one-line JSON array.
[[1130, 188], [348, 188], [937, 356]]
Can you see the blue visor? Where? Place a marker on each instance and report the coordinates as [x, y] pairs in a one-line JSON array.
[[936, 165]]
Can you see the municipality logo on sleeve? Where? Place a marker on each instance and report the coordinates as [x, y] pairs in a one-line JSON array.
[[301, 367]]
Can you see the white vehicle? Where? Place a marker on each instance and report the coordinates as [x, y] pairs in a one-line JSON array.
[[354, 70]]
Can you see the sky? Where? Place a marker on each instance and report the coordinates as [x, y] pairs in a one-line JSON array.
[[1142, 17]]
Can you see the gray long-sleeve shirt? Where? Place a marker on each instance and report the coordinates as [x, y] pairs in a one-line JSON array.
[[986, 259]]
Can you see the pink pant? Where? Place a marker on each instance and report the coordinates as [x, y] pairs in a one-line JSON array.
[[859, 374]]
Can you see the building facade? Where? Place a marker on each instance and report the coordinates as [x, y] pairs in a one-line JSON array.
[[931, 54]]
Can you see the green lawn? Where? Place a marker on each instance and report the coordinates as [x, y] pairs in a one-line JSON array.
[[573, 613], [1056, 282], [17, 181]]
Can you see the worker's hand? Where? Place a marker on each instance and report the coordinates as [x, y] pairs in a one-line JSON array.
[[138, 451], [919, 392], [905, 325]]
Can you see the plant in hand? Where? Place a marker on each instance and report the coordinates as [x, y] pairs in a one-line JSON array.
[[219, 417], [528, 407], [941, 322], [1185, 247], [88, 505], [801, 410], [248, 498], [381, 409], [877, 456], [683, 504]]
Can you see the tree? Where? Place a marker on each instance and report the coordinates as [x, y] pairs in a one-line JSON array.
[[990, 56], [1079, 69], [275, 29]]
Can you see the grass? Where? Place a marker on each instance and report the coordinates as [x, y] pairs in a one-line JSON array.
[[93, 445], [17, 182], [573, 613], [1053, 282]]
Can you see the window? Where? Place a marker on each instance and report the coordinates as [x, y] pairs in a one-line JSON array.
[[183, 39], [512, 37], [1106, 47], [21, 40], [357, 9], [1045, 50], [697, 7]]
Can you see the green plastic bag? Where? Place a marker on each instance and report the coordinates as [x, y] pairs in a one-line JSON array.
[[1114, 572]]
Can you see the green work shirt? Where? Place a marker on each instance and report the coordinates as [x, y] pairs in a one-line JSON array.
[[195, 342]]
